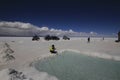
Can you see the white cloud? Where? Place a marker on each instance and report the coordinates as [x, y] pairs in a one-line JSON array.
[[71, 31], [19, 25], [52, 29], [93, 33], [16, 29], [44, 29], [27, 29]]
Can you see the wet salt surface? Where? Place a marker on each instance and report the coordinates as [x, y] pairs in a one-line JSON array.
[[72, 66]]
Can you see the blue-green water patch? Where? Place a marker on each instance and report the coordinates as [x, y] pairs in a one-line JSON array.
[[74, 66]]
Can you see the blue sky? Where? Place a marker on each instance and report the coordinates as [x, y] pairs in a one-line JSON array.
[[82, 16]]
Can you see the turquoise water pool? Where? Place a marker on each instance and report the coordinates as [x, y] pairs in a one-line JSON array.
[[74, 66]]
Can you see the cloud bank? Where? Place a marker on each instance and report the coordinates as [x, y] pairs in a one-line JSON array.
[[27, 29]]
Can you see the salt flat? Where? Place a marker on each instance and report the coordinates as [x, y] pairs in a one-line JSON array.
[[27, 51]]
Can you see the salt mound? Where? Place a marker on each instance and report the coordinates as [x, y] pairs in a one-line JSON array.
[[6, 53], [12, 74], [27, 74]]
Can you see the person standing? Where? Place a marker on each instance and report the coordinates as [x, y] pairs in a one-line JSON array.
[[88, 39], [103, 38]]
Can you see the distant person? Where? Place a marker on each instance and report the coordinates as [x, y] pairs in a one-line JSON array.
[[88, 39], [103, 38], [118, 37], [53, 49]]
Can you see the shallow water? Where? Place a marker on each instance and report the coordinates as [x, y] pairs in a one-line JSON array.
[[73, 66]]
